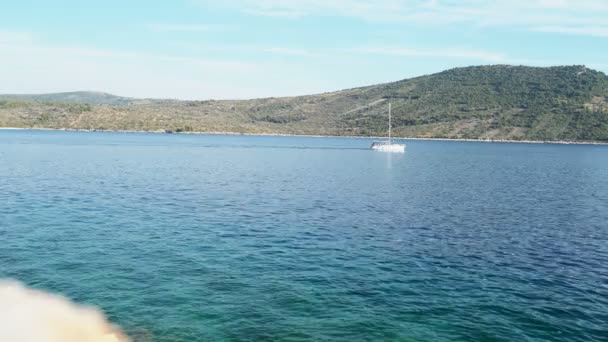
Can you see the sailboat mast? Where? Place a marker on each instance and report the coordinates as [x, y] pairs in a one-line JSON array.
[[389, 123]]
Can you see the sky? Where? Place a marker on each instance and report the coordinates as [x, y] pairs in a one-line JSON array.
[[235, 49]]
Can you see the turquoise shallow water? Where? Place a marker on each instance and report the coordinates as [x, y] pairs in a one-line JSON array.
[[211, 238]]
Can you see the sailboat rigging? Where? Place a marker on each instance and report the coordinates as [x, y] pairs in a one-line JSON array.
[[388, 146]]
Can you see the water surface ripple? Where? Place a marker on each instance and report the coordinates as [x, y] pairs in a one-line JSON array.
[[210, 238]]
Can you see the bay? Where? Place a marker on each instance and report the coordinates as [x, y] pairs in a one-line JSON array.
[[236, 238]]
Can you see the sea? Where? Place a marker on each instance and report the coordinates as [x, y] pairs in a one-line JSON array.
[[187, 237]]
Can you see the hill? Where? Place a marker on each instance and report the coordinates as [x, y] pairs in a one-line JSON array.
[[81, 97], [480, 102]]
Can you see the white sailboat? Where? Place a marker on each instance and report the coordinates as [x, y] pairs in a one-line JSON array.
[[388, 146]]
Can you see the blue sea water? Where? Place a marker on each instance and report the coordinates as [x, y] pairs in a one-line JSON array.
[[241, 238]]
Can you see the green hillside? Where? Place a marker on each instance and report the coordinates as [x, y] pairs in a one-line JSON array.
[[481, 102], [79, 97]]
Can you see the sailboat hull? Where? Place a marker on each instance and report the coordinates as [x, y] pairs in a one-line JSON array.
[[387, 147]]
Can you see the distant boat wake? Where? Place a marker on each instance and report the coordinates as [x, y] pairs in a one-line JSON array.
[[283, 147]]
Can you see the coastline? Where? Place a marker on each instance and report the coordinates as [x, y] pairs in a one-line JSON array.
[[556, 142]]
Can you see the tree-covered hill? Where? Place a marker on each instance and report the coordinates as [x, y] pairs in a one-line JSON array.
[[481, 102]]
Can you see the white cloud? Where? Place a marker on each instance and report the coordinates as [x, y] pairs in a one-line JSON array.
[[276, 13], [158, 27], [444, 52], [291, 52], [479, 55], [596, 31], [528, 14], [15, 37], [84, 51], [577, 5], [256, 49]]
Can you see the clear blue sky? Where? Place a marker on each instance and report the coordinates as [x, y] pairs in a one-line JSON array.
[[201, 49]]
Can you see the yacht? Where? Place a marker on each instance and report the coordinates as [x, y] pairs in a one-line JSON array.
[[388, 146]]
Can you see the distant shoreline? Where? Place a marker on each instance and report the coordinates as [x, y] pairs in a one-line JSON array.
[[557, 142]]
